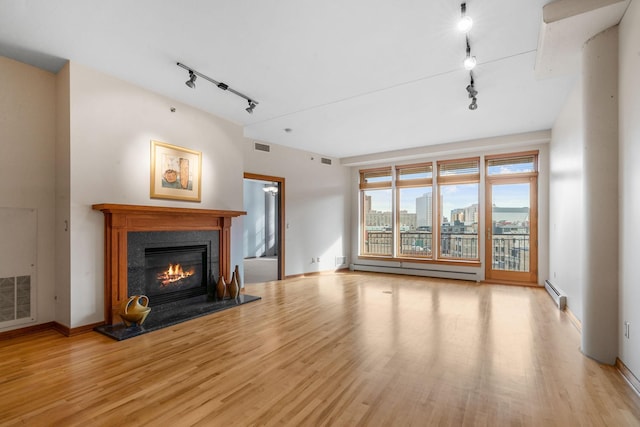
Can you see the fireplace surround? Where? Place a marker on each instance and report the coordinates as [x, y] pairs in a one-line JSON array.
[[125, 221]]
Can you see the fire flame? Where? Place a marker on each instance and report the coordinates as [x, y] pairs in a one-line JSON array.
[[173, 274]]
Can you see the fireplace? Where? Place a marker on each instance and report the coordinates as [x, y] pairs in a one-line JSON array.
[[175, 273], [140, 239], [170, 266]]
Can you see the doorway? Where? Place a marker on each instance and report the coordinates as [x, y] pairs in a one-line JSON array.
[[511, 251], [263, 228]]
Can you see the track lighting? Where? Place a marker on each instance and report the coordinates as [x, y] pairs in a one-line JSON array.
[[469, 61], [193, 74], [465, 23], [472, 92], [252, 105], [192, 80], [471, 88]]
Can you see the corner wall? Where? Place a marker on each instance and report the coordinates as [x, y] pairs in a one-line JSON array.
[[62, 196], [565, 201], [27, 149], [629, 187]]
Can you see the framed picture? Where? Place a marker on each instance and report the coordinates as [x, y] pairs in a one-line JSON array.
[[175, 172]]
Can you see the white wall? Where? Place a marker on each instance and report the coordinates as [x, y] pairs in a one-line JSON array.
[[565, 201], [63, 197], [27, 149], [629, 185], [317, 205], [111, 126]]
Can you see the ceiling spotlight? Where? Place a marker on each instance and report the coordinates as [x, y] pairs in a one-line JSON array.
[[465, 23], [471, 88], [192, 80], [472, 91], [469, 61], [252, 105]]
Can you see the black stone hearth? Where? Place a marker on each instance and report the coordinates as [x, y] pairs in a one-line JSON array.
[[166, 315]]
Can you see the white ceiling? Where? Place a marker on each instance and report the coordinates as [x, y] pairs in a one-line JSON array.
[[349, 77]]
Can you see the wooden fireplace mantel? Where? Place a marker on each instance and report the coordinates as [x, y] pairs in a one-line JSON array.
[[121, 219]]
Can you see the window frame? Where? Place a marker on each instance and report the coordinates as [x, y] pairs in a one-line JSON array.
[[399, 184], [396, 184], [444, 180], [375, 172]]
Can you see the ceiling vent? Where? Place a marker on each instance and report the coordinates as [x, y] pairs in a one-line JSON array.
[[262, 147], [325, 161]]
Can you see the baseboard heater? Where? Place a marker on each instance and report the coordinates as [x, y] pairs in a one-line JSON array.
[[444, 274], [558, 296]]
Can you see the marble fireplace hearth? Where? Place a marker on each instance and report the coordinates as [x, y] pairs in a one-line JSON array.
[[168, 315]]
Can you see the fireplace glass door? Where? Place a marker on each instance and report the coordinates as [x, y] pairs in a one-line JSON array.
[[175, 273]]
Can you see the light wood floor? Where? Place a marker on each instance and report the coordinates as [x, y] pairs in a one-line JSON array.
[[347, 349]]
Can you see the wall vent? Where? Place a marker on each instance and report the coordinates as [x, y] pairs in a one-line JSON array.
[[15, 298], [262, 147], [325, 161]]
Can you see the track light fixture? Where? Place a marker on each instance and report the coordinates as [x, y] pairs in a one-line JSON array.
[[473, 93], [469, 61], [193, 74], [192, 80], [471, 88], [465, 23]]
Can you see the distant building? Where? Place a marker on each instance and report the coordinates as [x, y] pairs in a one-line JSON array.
[[424, 211], [407, 221], [507, 220], [457, 215]]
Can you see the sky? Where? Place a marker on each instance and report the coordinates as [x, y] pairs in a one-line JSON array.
[[462, 195], [454, 197]]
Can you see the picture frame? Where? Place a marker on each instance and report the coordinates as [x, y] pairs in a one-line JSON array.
[[176, 172]]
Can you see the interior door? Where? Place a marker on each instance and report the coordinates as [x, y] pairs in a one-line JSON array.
[[511, 229]]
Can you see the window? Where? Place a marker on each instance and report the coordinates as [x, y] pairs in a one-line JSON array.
[[511, 250], [415, 210], [377, 206], [425, 211], [512, 165], [458, 192]]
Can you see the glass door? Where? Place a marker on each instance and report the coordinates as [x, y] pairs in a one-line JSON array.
[[511, 229]]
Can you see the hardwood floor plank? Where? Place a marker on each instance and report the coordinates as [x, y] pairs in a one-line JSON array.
[[345, 349]]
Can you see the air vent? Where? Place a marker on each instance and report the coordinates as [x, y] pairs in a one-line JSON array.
[[325, 161], [262, 147]]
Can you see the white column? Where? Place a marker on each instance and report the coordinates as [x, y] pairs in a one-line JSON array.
[[600, 251]]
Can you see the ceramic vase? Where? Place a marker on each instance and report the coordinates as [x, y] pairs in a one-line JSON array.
[[221, 288], [135, 310], [211, 288], [236, 272], [233, 288]]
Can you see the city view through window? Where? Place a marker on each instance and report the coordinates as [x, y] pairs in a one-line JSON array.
[[456, 214]]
